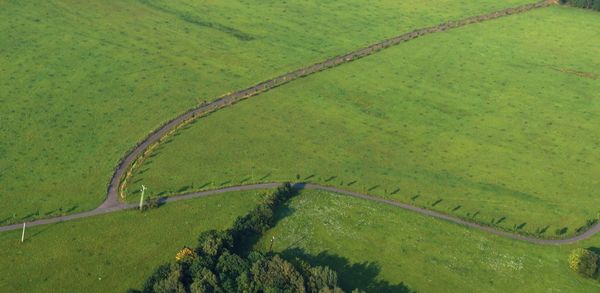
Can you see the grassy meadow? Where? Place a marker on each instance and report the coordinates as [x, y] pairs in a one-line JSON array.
[[494, 122], [82, 81], [380, 248], [375, 247], [113, 252]]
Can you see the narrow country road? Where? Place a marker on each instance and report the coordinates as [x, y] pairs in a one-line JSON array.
[[123, 170], [262, 186]]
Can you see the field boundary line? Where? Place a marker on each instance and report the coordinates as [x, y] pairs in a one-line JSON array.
[[310, 186], [135, 157]]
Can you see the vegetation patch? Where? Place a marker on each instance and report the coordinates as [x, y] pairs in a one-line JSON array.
[[489, 131], [585, 262], [221, 262]]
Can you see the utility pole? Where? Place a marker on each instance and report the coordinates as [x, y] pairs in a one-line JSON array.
[[23, 234], [142, 197], [271, 247]]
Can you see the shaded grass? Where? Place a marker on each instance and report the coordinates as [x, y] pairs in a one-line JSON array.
[[82, 81], [377, 247], [487, 130], [113, 252]]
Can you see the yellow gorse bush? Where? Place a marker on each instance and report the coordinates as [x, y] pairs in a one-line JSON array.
[[182, 254]]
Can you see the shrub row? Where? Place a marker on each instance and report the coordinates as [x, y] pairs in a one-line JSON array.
[[220, 263], [589, 4]]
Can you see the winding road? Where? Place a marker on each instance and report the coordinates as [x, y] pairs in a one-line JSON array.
[[123, 170]]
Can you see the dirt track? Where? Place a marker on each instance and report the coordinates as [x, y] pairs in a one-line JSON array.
[[143, 149]]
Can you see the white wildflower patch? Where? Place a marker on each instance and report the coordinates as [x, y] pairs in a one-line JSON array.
[[503, 262]]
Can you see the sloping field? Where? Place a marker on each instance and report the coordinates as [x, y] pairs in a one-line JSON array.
[[82, 81], [383, 249], [493, 122]]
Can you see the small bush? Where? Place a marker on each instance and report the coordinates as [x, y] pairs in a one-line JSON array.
[[151, 203], [584, 262]]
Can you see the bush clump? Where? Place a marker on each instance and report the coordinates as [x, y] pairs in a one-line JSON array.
[[585, 262]]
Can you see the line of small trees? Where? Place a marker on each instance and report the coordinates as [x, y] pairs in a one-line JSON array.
[[222, 263], [589, 4], [585, 262]]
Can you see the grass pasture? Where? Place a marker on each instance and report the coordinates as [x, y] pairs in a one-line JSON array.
[[494, 122], [82, 81], [381, 248], [373, 246], [114, 252]]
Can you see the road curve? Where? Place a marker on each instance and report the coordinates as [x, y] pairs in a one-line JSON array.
[[112, 203], [262, 186]]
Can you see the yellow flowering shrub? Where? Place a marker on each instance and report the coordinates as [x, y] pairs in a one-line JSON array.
[[584, 261], [184, 253]]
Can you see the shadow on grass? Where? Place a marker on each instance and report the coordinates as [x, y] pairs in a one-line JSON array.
[[350, 275], [282, 212], [595, 250]]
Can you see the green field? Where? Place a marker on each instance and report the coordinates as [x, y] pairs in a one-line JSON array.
[[499, 129], [495, 122], [378, 247], [114, 252], [372, 246], [83, 81]]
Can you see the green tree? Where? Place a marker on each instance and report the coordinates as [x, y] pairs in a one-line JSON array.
[[205, 281], [159, 274], [172, 283], [276, 275], [232, 271], [321, 278], [213, 243]]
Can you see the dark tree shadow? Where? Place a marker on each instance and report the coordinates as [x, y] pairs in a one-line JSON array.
[[595, 250], [249, 241], [184, 188], [204, 185], [543, 230], [309, 177], [350, 275], [502, 219]]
